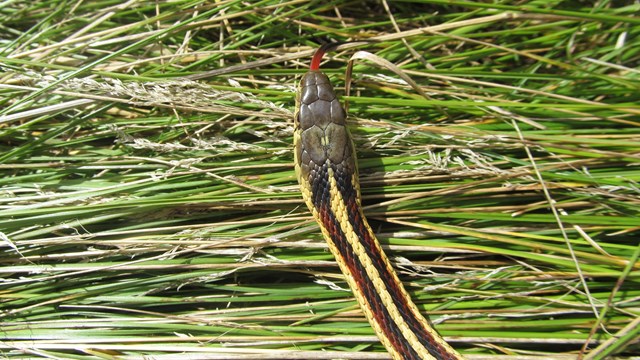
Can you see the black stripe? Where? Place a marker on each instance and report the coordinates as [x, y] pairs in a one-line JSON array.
[[360, 226], [360, 275]]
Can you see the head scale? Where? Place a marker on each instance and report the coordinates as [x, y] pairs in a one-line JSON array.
[[322, 137]]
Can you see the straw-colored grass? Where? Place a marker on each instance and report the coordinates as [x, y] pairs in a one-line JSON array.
[[148, 205]]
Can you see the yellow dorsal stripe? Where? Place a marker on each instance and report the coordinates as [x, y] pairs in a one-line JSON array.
[[341, 214]]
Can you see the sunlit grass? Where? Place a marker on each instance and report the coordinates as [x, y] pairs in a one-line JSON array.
[[149, 205]]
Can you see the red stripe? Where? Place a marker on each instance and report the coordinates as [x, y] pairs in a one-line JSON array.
[[360, 226], [380, 314]]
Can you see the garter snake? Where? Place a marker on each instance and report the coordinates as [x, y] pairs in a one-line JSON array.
[[325, 165]]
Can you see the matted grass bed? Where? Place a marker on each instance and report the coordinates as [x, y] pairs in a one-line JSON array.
[[149, 207]]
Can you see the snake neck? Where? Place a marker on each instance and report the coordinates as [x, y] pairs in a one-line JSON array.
[[401, 328]]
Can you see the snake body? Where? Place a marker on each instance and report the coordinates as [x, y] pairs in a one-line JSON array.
[[325, 165]]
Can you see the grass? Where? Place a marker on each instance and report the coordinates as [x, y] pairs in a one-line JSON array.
[[149, 207]]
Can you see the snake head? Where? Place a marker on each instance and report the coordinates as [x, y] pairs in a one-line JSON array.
[[322, 137]]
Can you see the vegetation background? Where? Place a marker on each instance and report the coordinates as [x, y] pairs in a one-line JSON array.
[[148, 205]]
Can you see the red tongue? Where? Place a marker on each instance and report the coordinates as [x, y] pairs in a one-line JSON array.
[[317, 57]]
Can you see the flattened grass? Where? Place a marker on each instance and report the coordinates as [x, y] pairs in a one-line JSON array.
[[144, 213]]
